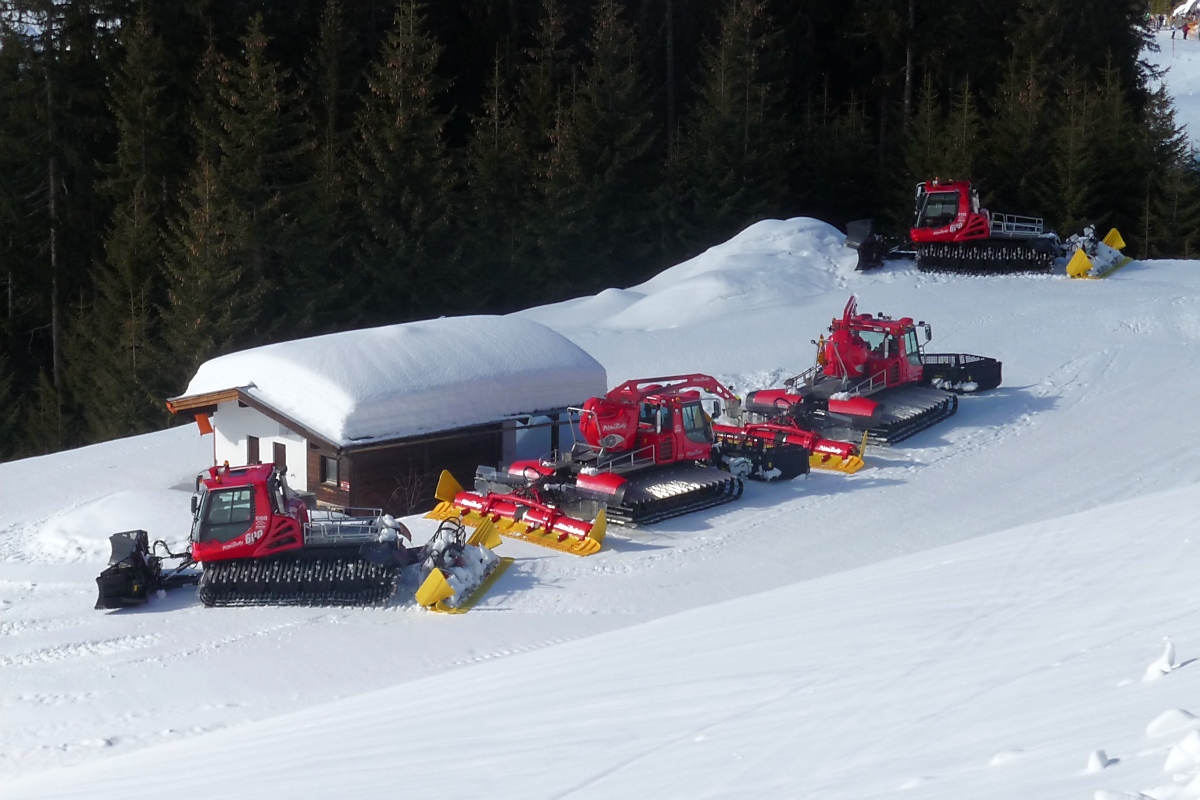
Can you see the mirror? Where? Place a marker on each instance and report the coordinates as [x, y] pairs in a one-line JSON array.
[[716, 412]]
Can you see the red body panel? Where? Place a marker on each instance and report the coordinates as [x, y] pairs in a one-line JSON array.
[[968, 223], [878, 347], [523, 509], [269, 532]]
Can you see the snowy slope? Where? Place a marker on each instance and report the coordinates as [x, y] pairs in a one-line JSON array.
[[992, 668], [917, 614]]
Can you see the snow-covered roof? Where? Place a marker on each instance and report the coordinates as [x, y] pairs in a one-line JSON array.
[[1185, 8], [405, 380]]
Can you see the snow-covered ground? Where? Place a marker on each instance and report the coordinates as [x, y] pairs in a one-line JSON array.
[[980, 613], [972, 615]]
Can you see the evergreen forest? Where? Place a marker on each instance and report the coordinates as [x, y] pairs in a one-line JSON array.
[[183, 178]]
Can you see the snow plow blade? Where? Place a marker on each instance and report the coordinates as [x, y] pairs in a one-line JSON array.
[[1108, 258], [455, 588], [130, 575], [440, 586], [847, 465], [516, 517]]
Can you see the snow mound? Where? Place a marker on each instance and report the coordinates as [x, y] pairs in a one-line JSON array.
[[1098, 761], [81, 533], [418, 377], [1169, 721], [1163, 665], [771, 263], [1185, 755]]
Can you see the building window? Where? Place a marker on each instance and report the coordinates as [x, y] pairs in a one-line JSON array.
[[251, 449], [281, 457], [329, 470]]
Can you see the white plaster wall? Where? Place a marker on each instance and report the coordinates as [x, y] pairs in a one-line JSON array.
[[233, 423]]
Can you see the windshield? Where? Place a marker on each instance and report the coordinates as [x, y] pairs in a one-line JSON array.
[[938, 210], [226, 514]]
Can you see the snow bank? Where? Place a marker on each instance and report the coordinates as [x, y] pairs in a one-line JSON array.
[[771, 263], [81, 534], [403, 380]]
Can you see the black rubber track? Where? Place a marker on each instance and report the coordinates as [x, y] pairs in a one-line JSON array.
[[294, 581], [986, 257]]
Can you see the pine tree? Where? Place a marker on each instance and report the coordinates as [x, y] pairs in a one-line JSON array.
[[117, 377], [963, 126], [735, 150], [405, 178], [544, 79], [610, 136], [1072, 165], [10, 411], [1019, 141], [1172, 217], [494, 175], [262, 139], [328, 220], [207, 310]]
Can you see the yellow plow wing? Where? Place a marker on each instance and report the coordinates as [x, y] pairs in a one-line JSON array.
[[847, 466]]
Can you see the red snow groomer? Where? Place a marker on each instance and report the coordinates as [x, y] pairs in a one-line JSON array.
[[951, 232], [258, 543], [650, 452], [873, 380]]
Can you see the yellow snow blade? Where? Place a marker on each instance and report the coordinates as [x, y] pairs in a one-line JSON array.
[[1080, 265], [434, 590], [599, 528], [571, 545], [486, 535], [848, 465], [447, 488], [1113, 239], [466, 605]]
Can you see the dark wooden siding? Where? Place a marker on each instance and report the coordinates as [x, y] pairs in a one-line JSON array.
[[326, 493], [401, 478]]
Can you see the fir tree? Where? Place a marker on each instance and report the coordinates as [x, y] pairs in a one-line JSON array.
[[1072, 165], [405, 178], [494, 178], [207, 310], [329, 221], [1019, 141], [610, 136], [1172, 216], [734, 150], [963, 128], [10, 411], [118, 387], [261, 141]]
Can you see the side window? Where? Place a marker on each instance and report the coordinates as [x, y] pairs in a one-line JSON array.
[[227, 514], [911, 349], [329, 470], [695, 423], [251, 449]]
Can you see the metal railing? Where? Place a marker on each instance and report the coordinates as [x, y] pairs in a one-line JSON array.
[[1017, 226], [341, 525]]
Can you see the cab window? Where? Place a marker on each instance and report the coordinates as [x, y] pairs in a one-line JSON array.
[[696, 423], [227, 514], [911, 349]]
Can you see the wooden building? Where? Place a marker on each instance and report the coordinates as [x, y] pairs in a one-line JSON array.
[[378, 436]]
